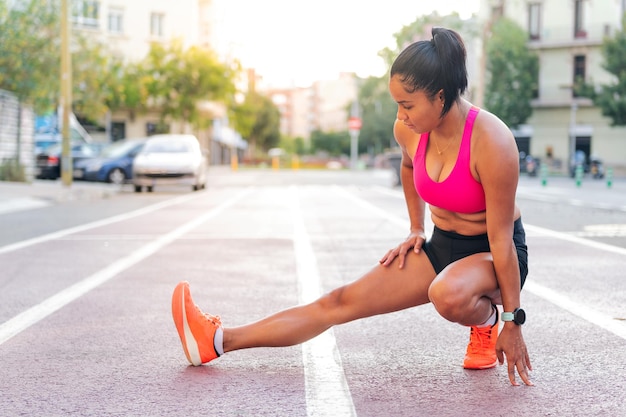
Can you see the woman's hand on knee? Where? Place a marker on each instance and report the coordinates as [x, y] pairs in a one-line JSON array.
[[414, 241]]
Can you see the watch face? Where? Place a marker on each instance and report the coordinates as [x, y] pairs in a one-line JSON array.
[[520, 316]]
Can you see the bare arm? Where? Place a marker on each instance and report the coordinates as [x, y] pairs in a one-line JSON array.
[[415, 205], [498, 168]]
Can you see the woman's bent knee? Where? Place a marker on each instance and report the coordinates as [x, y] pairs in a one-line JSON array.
[[447, 299]]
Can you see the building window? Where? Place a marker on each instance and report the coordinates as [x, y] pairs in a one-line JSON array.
[[579, 72], [85, 13], [116, 21], [579, 28], [534, 21], [156, 24]]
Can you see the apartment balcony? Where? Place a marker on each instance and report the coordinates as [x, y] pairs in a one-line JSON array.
[[559, 37]]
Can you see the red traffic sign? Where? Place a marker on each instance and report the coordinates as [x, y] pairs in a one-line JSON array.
[[354, 123]]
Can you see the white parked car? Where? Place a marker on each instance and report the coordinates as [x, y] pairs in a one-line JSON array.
[[170, 159]]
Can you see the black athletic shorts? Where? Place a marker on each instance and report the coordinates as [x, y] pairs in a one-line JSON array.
[[444, 247]]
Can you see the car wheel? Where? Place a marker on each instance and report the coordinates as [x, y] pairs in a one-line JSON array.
[[138, 188], [149, 188], [116, 176]]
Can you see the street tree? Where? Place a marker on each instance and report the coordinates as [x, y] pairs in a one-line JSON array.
[[93, 77], [611, 97], [378, 114], [178, 80], [512, 71], [127, 88], [334, 143], [257, 119], [29, 57]]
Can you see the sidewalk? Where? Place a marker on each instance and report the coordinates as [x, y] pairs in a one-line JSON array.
[[15, 196], [590, 192]]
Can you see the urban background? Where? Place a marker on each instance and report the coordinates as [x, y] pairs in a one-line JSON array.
[[143, 68]]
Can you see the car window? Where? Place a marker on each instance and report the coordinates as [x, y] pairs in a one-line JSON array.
[[82, 148], [120, 149], [167, 147]]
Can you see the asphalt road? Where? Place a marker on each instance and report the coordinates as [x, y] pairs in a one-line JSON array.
[[87, 273]]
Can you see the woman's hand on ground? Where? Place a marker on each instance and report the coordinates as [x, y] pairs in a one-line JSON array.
[[511, 344], [414, 241]]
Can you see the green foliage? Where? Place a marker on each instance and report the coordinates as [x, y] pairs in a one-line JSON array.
[[177, 80], [378, 114], [12, 170], [29, 57], [292, 146], [335, 143], [126, 89], [611, 98], [257, 119], [170, 80], [93, 77], [513, 73]]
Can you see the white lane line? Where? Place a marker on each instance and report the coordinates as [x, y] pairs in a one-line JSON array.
[[98, 223], [595, 317], [327, 391], [575, 239], [580, 310], [40, 311]]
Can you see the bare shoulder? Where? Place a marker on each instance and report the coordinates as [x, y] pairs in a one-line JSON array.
[[494, 150], [491, 126], [406, 139], [491, 134], [402, 133]]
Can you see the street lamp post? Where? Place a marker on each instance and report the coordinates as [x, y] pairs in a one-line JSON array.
[[572, 126], [66, 95], [354, 127]]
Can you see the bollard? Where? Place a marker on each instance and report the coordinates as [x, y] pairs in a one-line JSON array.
[[275, 163], [233, 162], [579, 175], [295, 163], [544, 174], [609, 177]]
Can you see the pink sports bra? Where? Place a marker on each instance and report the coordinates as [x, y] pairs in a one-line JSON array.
[[459, 192]]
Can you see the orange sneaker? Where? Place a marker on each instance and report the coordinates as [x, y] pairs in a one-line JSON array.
[[195, 328], [481, 350]]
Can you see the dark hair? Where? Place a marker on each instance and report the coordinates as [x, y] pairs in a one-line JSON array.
[[434, 65]]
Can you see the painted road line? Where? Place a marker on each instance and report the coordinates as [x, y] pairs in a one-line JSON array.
[[327, 391], [62, 233], [40, 311], [578, 309]]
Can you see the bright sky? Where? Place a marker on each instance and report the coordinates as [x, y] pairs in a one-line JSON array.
[[296, 42]]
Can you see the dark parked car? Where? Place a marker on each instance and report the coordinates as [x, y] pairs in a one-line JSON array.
[[48, 161], [113, 165]]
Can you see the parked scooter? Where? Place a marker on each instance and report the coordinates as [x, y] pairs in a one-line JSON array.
[[596, 168], [532, 165]]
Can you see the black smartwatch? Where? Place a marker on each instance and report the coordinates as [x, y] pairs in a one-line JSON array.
[[518, 316]]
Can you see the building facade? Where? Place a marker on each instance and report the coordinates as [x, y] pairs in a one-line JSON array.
[[323, 106], [128, 28], [567, 36]]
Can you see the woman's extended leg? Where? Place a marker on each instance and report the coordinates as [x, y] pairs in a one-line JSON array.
[[383, 289]]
